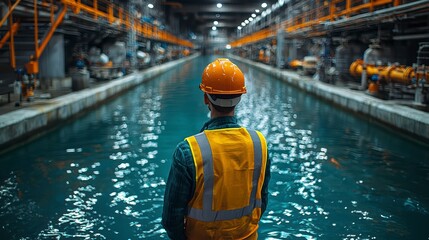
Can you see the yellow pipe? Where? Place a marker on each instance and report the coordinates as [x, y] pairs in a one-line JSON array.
[[400, 74], [294, 64]]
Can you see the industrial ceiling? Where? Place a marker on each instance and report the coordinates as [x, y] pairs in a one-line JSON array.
[[229, 14]]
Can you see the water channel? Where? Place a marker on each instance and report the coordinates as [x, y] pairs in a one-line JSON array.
[[102, 176]]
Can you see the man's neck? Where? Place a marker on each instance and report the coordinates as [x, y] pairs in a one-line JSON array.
[[215, 114]]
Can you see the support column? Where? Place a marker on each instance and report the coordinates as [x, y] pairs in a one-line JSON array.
[[280, 56], [52, 62], [132, 38]]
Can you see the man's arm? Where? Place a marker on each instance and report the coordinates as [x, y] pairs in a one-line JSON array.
[[265, 185], [179, 190]]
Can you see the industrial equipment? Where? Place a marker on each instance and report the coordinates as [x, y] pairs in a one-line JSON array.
[[108, 64], [394, 80], [309, 65]]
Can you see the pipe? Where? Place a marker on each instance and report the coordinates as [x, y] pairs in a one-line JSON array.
[[398, 74]]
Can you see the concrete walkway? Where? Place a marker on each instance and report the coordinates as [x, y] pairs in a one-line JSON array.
[[44, 114], [411, 121]]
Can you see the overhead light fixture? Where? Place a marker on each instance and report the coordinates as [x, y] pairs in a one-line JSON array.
[[150, 5], [243, 24], [214, 28], [215, 22], [239, 27], [228, 46], [264, 5], [257, 10], [250, 19], [219, 5], [246, 21], [253, 15]]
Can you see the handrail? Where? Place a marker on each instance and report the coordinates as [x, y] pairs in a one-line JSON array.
[[313, 18], [117, 15]]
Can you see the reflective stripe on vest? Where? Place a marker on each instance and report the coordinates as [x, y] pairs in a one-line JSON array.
[[207, 214]]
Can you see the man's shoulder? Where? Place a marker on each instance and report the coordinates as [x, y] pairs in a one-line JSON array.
[[183, 153]]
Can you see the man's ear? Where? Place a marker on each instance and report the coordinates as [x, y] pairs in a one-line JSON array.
[[206, 99]]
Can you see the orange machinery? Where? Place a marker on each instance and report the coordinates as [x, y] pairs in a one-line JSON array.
[[386, 74]]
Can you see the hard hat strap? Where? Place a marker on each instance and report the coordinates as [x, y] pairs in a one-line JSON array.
[[222, 102]]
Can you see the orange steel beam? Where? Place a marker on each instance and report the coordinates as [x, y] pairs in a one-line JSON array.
[[9, 12], [110, 12], [120, 15], [95, 4], [6, 37], [51, 32], [11, 43]]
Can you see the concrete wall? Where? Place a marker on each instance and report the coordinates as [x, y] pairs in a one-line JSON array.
[[29, 121], [407, 119]]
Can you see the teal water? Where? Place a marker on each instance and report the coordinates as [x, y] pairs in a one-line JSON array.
[[102, 176]]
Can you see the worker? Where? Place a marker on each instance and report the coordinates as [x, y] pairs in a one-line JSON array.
[[217, 187]]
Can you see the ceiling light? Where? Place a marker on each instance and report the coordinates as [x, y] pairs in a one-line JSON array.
[[264, 5], [228, 46], [150, 5], [246, 21], [253, 15], [243, 24], [250, 19], [239, 27], [219, 5], [214, 28], [257, 10], [268, 11], [215, 22]]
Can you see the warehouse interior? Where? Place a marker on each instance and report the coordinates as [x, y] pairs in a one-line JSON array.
[[96, 96], [377, 46]]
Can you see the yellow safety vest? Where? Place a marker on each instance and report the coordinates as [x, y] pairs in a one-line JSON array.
[[230, 171]]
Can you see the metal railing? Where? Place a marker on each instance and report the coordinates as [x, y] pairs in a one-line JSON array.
[[97, 9], [318, 12]]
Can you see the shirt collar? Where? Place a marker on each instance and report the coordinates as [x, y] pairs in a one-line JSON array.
[[220, 122]]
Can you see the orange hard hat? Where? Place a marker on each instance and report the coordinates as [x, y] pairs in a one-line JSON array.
[[222, 77]]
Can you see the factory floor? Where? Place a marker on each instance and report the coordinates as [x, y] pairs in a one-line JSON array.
[[40, 97]]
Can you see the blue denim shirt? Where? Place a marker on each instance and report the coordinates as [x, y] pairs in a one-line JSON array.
[[181, 182]]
